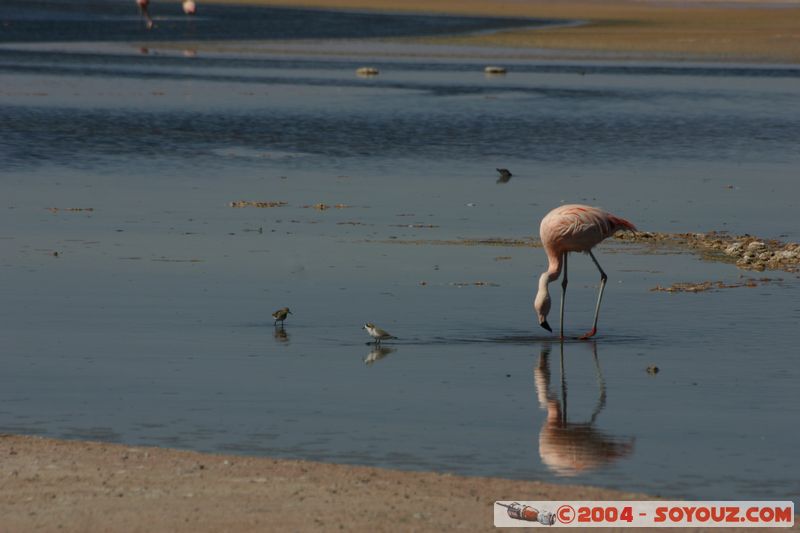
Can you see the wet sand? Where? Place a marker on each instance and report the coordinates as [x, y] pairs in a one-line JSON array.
[[711, 31], [58, 485]]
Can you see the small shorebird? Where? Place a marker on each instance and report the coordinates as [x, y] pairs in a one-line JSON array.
[[280, 315], [573, 228], [377, 333], [505, 175], [189, 7]]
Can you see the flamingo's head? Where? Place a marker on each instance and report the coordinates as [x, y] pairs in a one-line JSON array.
[[542, 305]]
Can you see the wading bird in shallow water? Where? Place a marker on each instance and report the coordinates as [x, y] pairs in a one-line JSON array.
[[280, 315], [573, 228], [377, 333], [143, 5]]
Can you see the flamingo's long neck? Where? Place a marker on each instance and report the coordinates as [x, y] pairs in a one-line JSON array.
[[544, 280], [551, 274], [553, 268]]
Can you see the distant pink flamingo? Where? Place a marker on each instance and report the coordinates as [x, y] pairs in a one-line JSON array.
[[189, 7], [573, 228], [143, 5]]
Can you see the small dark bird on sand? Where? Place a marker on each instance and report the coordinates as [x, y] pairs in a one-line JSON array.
[[280, 315]]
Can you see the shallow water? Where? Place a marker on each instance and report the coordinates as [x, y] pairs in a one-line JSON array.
[[120, 20], [152, 324]]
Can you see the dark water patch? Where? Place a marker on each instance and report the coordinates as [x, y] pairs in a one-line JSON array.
[[101, 433], [250, 448], [512, 339], [22, 429], [171, 441], [81, 138], [155, 72], [68, 21], [149, 425], [721, 71], [64, 57], [609, 339]]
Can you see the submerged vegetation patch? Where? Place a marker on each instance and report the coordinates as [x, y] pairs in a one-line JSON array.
[[474, 284], [526, 242], [322, 206], [258, 204], [69, 209], [704, 286], [745, 251]]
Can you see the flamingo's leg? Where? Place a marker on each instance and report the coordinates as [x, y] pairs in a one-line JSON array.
[[563, 294], [603, 279], [148, 21]]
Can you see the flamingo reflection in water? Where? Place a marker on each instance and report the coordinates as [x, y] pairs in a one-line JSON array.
[[569, 448]]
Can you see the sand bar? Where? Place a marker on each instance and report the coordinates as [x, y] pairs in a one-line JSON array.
[[710, 31]]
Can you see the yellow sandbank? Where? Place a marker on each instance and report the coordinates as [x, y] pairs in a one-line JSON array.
[[717, 31]]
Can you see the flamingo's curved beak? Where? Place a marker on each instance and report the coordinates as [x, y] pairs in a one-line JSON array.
[[546, 326]]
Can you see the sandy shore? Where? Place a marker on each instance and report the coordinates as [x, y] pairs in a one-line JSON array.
[[714, 31], [57, 485]]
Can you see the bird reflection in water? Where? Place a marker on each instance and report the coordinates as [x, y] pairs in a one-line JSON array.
[[280, 335], [505, 175], [569, 448], [378, 352]]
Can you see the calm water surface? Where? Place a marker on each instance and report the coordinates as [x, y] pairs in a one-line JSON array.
[[152, 325]]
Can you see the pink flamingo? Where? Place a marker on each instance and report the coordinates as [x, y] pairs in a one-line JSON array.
[[573, 228], [189, 7], [143, 5]]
